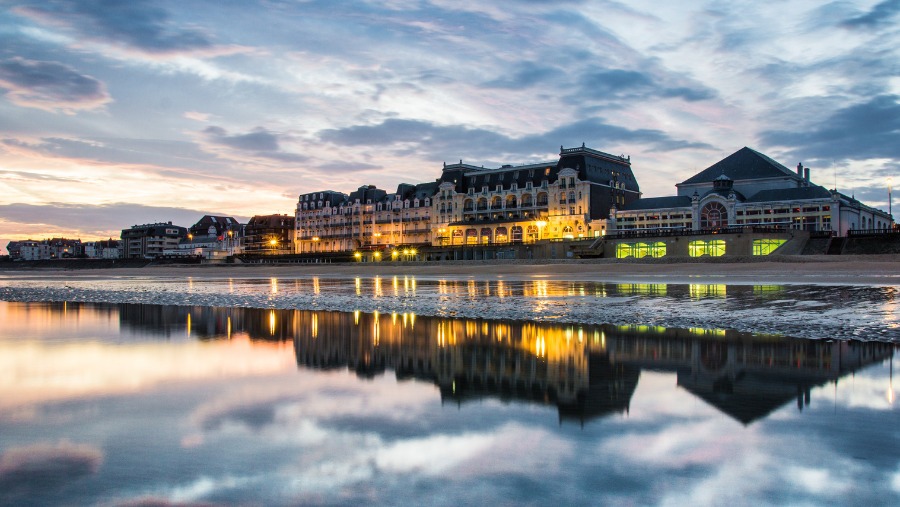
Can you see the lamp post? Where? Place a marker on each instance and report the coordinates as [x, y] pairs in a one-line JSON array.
[[230, 242], [315, 243], [890, 182], [540, 225]]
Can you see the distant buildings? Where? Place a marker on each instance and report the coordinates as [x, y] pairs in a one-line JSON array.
[[269, 234], [149, 241], [584, 194], [104, 249]]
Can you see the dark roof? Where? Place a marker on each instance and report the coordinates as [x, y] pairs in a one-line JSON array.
[[790, 194], [725, 192], [744, 164], [675, 201]]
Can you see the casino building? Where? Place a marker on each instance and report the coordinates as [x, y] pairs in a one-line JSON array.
[[744, 190]]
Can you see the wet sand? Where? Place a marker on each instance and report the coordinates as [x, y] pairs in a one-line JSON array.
[[815, 270]]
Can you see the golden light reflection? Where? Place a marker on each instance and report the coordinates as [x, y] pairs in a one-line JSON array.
[[378, 291], [314, 327], [273, 282], [358, 284], [700, 291], [231, 286], [395, 283], [189, 325], [356, 317], [228, 331], [271, 322], [316, 288]]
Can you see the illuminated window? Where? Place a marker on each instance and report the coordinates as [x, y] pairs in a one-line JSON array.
[[713, 216], [712, 248], [766, 246], [639, 250]]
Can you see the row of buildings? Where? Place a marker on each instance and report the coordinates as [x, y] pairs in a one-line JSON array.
[[584, 194]]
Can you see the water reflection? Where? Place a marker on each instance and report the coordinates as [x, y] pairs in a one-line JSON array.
[[585, 371]]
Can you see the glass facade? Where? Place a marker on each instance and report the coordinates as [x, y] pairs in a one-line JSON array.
[[712, 248], [766, 246], [638, 250]]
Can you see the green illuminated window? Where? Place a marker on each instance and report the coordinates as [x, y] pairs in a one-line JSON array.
[[766, 246], [638, 250], [712, 248]]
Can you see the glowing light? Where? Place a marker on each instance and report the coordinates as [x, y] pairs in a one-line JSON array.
[[273, 282], [271, 322]]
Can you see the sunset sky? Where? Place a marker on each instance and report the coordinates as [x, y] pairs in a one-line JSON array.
[[114, 113]]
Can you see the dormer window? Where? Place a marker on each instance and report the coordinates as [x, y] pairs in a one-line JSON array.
[[499, 188]]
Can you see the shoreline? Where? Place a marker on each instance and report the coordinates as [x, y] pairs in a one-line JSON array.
[[806, 270]]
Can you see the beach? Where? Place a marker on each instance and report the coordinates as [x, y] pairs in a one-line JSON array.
[[875, 270]]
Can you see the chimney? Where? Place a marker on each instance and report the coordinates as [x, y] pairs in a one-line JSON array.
[[800, 169], [806, 174]]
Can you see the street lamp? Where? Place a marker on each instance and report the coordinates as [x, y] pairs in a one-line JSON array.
[[540, 225], [890, 182]]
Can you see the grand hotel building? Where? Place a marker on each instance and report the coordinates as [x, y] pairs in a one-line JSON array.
[[469, 205], [584, 194]]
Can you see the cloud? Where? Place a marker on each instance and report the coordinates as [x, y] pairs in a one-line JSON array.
[[448, 142], [258, 142], [137, 24], [879, 16], [100, 220], [51, 86], [861, 131], [619, 84], [34, 469], [524, 75]]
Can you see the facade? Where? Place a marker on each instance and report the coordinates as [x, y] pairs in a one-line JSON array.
[[269, 234], [745, 189], [45, 249], [104, 249], [211, 237], [567, 199], [469, 205], [366, 219], [149, 241]]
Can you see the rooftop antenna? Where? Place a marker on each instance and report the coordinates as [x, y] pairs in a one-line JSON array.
[[834, 170]]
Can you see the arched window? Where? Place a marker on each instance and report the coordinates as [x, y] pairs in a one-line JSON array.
[[486, 235], [713, 216], [516, 233]]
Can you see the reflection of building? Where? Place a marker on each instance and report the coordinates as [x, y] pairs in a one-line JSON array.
[[743, 377], [587, 371]]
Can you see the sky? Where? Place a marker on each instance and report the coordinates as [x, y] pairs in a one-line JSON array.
[[116, 113]]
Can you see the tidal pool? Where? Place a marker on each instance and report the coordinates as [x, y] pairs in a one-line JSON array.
[[136, 403]]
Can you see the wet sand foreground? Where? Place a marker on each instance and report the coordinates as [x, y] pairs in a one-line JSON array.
[[829, 270]]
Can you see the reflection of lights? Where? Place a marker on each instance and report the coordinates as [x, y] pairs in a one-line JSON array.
[[189, 325], [314, 327], [316, 288], [358, 283], [378, 292], [699, 291], [274, 283], [231, 286], [228, 329], [271, 322], [356, 317]]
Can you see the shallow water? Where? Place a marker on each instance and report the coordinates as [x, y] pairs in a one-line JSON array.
[[810, 311], [127, 403]]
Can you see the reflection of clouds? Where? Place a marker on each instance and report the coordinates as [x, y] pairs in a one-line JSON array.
[[313, 396], [36, 372], [35, 469], [679, 445]]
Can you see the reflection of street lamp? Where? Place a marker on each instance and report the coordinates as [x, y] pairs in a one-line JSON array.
[[540, 225]]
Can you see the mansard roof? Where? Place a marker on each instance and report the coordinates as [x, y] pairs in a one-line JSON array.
[[675, 201], [744, 164], [591, 165], [790, 194]]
